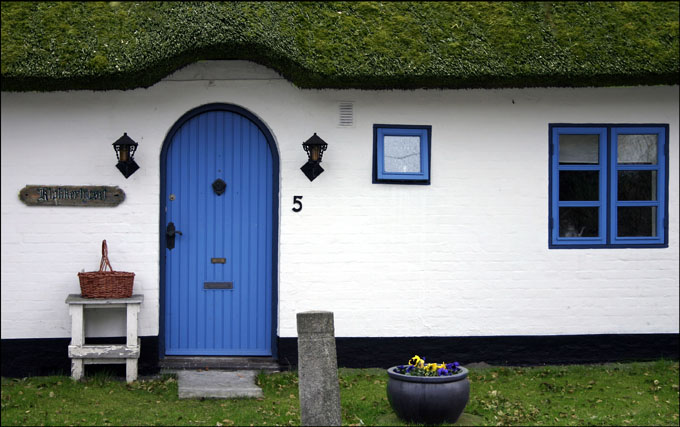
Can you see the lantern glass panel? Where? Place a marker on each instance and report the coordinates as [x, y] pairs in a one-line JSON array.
[[314, 153], [124, 153]]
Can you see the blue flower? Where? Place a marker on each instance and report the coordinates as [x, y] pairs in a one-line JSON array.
[[453, 367], [442, 371], [409, 368]]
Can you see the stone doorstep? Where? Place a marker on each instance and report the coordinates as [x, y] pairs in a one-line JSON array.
[[217, 384], [176, 363]]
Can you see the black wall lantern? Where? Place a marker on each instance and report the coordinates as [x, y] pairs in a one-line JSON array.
[[314, 147], [125, 152]]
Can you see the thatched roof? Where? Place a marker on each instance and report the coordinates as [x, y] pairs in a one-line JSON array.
[[367, 45]]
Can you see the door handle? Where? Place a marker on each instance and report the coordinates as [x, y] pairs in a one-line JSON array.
[[170, 232]]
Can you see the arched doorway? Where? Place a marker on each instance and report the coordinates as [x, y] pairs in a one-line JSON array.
[[219, 192]]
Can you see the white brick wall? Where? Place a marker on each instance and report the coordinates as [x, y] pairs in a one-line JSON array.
[[467, 255]]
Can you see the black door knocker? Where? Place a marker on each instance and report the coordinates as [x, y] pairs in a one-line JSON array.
[[219, 186]]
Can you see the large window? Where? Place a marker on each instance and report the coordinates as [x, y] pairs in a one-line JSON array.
[[608, 185]]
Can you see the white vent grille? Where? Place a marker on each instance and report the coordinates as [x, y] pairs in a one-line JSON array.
[[346, 118]]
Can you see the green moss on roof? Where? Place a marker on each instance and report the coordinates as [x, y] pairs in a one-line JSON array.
[[369, 45]]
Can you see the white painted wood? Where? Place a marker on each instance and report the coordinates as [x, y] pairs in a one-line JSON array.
[[103, 351], [77, 324], [82, 354], [132, 314], [130, 370], [77, 369], [75, 299], [103, 361]]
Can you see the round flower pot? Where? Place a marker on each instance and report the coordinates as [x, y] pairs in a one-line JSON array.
[[428, 400]]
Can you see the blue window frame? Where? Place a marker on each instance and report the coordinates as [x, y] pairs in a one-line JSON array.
[[401, 154], [608, 186]]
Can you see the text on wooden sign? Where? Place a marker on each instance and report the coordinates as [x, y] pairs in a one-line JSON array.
[[71, 195]]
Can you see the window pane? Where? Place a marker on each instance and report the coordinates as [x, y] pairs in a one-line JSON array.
[[579, 185], [402, 153], [637, 185], [636, 221], [637, 149], [579, 149], [579, 222]]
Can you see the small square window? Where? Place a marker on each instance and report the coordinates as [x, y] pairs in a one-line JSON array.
[[401, 154]]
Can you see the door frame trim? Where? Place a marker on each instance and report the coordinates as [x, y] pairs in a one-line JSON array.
[[219, 106]]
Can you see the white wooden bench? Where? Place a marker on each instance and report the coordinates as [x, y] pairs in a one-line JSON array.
[[82, 354]]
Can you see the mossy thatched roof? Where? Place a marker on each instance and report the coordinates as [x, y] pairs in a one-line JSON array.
[[368, 45]]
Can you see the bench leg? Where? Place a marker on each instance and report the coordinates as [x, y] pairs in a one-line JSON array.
[[77, 367], [130, 370]]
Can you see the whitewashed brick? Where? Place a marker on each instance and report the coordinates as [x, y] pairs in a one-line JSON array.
[[466, 255]]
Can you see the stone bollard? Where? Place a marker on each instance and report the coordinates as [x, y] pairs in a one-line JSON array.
[[318, 369]]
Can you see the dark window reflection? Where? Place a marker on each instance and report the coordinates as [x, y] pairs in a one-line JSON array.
[[636, 221], [637, 185], [579, 185], [579, 222]]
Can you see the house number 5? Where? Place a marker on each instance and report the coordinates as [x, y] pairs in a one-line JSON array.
[[297, 203]]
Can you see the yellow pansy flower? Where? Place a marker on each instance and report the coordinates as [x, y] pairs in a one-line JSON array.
[[416, 361]]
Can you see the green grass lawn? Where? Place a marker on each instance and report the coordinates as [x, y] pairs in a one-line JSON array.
[[613, 394]]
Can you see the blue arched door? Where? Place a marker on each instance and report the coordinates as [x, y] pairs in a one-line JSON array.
[[219, 191]]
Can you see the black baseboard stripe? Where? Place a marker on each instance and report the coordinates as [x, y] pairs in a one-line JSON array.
[[49, 356], [500, 350]]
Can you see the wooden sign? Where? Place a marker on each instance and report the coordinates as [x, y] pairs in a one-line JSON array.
[[71, 195]]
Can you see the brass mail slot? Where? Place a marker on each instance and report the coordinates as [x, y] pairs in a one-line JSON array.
[[218, 285], [218, 260]]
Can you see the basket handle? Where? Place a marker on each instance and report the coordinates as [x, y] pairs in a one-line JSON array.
[[105, 258]]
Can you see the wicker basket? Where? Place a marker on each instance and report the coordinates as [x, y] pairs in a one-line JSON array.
[[106, 284]]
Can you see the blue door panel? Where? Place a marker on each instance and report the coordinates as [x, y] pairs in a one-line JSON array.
[[236, 226]]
